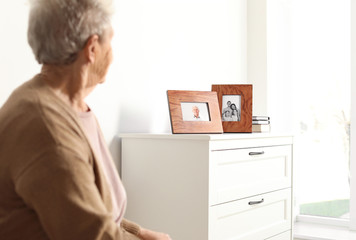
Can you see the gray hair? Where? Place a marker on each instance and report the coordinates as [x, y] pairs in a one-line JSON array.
[[59, 29]]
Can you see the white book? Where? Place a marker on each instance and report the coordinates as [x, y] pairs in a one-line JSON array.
[[261, 128], [263, 118], [260, 122]]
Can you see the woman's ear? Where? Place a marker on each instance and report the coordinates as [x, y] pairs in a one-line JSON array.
[[90, 48]]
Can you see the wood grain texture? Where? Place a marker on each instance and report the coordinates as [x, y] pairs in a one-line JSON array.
[[176, 97], [245, 91]]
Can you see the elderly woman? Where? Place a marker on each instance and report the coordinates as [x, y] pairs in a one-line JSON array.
[[57, 179]]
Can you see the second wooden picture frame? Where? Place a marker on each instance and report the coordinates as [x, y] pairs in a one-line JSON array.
[[235, 102]]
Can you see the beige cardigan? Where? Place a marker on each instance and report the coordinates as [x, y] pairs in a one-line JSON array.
[[51, 186]]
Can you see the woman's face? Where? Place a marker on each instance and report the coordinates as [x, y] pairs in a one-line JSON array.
[[104, 58], [233, 107]]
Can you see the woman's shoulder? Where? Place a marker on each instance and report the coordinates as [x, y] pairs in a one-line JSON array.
[[32, 123], [34, 107]]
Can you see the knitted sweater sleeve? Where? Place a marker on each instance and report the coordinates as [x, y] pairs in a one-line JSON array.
[[130, 227]]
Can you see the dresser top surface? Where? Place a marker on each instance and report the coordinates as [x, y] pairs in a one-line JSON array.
[[207, 137]]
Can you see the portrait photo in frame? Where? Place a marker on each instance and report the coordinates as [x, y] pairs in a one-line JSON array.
[[194, 112], [235, 102]]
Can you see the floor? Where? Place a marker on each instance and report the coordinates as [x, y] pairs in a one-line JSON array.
[[308, 231]]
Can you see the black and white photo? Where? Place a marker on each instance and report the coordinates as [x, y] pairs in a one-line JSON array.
[[231, 108]]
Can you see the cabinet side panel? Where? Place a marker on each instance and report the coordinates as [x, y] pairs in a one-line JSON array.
[[167, 185]]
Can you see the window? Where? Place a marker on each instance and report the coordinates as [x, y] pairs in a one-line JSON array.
[[322, 99]]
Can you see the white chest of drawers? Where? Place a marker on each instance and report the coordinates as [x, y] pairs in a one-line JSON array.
[[210, 187]]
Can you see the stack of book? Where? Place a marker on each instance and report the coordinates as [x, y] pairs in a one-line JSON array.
[[261, 124]]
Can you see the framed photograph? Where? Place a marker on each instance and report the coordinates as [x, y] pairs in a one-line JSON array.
[[194, 112], [235, 103]]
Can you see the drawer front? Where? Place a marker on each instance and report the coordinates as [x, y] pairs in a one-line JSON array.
[[240, 173], [283, 236], [247, 219]]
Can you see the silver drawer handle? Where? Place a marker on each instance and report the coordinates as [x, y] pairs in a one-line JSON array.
[[256, 202], [256, 153]]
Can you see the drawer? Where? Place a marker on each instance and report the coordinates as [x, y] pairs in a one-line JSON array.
[[246, 219], [283, 236], [240, 173]]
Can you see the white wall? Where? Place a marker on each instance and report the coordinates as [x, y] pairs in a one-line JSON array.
[[279, 64], [161, 45], [353, 117], [17, 63], [269, 60], [257, 54], [158, 45]]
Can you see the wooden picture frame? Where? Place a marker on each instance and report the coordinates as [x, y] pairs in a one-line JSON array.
[[194, 112], [239, 119]]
